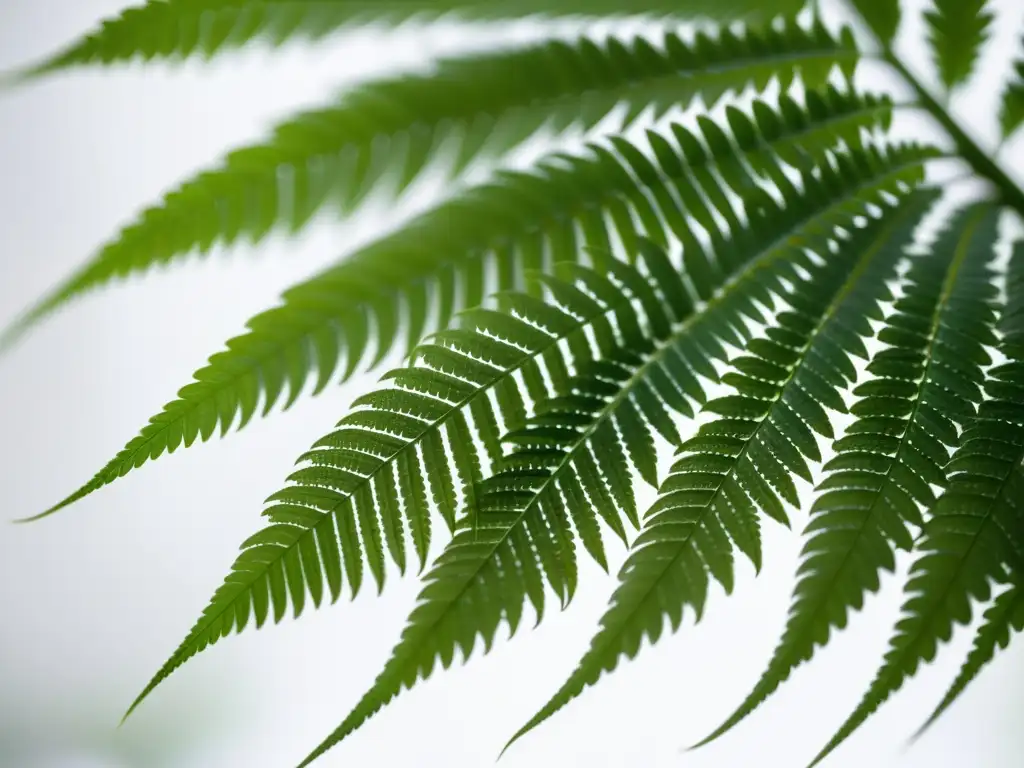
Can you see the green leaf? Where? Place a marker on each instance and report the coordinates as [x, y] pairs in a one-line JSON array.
[[732, 468], [881, 16], [957, 31], [885, 464], [520, 221], [977, 527], [487, 104], [1005, 617], [178, 29]]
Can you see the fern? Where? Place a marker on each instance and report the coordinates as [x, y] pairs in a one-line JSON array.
[[726, 289], [512, 223], [1004, 617], [183, 28], [959, 28], [924, 381], [489, 103], [582, 444], [977, 529]]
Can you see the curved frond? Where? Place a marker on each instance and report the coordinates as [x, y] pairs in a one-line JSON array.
[[958, 29], [362, 489], [178, 29], [489, 103], [1001, 620], [977, 527], [575, 457], [520, 221], [925, 382], [1011, 110], [740, 462]]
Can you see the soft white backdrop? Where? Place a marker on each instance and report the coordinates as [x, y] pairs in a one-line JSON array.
[[93, 600]]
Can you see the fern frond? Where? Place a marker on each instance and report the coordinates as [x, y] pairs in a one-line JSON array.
[[741, 462], [926, 381], [958, 29], [977, 527], [1011, 110], [517, 535], [519, 221], [1001, 620], [417, 433], [178, 29], [575, 456], [1006, 615], [392, 128]]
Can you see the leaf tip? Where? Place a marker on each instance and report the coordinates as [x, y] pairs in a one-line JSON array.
[[12, 334], [135, 704], [921, 730], [41, 516], [67, 502], [11, 79], [703, 742], [509, 743]]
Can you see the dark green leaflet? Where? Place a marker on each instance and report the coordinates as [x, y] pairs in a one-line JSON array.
[[958, 30]]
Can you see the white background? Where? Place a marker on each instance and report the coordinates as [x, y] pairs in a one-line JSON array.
[[92, 601]]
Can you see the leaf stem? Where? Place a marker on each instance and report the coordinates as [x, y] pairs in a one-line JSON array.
[[975, 156], [979, 160]]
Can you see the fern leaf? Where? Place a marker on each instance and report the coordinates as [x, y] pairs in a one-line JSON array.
[[977, 527], [958, 29], [740, 462], [392, 128], [927, 379], [507, 225], [571, 461], [1007, 612], [1011, 110], [1004, 617], [881, 16], [341, 507], [178, 29]]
